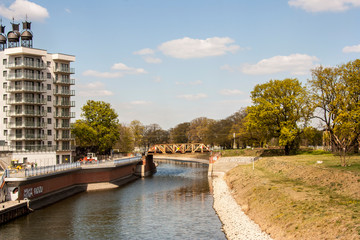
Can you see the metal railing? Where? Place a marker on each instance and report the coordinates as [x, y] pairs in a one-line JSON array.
[[64, 103], [27, 64], [36, 89], [70, 81], [64, 92], [25, 76], [127, 160], [26, 101], [26, 125], [27, 136], [50, 169], [64, 115], [26, 113], [64, 70]]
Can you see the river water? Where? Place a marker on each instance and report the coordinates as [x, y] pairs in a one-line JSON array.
[[175, 203]]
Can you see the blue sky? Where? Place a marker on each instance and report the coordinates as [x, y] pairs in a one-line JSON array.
[[172, 61]]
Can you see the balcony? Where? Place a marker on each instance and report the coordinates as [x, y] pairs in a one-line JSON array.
[[27, 64], [26, 113], [13, 125], [64, 81], [62, 126], [65, 148], [26, 136], [19, 89], [64, 70], [64, 103], [64, 137], [64, 115], [25, 76], [20, 101], [63, 92]]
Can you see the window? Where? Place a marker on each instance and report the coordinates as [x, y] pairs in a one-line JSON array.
[[49, 98], [49, 120], [5, 132], [5, 120], [49, 109], [4, 61], [4, 73], [48, 63], [48, 75], [49, 132], [4, 97], [5, 109], [49, 143], [4, 85], [49, 87]]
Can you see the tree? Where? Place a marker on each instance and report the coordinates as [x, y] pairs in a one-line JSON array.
[[281, 108], [99, 128], [198, 130], [137, 130], [125, 144], [336, 94], [179, 134], [154, 134]]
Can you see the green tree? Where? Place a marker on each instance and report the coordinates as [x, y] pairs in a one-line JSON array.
[[99, 128], [179, 134], [199, 130], [281, 108], [125, 144], [336, 94], [154, 134]]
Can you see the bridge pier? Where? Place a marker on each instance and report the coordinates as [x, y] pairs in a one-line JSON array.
[[146, 167]]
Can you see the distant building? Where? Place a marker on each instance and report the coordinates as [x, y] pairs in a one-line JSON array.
[[35, 99]]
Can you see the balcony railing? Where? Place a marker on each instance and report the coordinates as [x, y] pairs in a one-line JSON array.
[[26, 125], [36, 89], [64, 92], [64, 81], [64, 103], [18, 113], [64, 70], [26, 136], [64, 115], [25, 76], [62, 126], [64, 137], [26, 101], [27, 64]]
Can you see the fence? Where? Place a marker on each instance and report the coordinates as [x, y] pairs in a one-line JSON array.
[[127, 160], [50, 169]]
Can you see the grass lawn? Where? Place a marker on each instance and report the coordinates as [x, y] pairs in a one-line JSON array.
[[306, 196]]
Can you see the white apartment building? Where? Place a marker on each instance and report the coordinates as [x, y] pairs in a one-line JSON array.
[[35, 99]]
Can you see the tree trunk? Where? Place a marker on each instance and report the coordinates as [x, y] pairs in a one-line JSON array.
[[287, 149]]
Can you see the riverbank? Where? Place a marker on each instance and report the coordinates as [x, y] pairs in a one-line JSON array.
[[236, 224], [300, 197]]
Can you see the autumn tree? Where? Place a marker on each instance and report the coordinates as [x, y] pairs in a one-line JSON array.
[[154, 134], [137, 131], [99, 128], [281, 109], [125, 144], [198, 130]]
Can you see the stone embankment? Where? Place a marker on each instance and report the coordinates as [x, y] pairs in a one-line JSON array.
[[236, 224]]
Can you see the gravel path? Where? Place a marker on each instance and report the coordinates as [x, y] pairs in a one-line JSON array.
[[236, 224]]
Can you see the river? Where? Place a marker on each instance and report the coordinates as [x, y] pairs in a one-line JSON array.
[[175, 203]]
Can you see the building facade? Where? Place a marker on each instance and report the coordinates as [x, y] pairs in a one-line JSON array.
[[35, 95]]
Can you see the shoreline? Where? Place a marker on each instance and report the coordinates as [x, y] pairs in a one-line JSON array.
[[236, 224]]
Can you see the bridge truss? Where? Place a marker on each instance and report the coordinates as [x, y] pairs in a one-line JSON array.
[[179, 148]]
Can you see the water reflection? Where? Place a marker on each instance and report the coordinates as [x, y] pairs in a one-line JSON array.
[[173, 204]]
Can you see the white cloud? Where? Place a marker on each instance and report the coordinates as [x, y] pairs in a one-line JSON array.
[[192, 96], [94, 89], [22, 8], [67, 10], [236, 102], [128, 70], [198, 82], [296, 64], [149, 59], [186, 48], [350, 49], [229, 92], [324, 5], [226, 67], [93, 73], [145, 51]]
